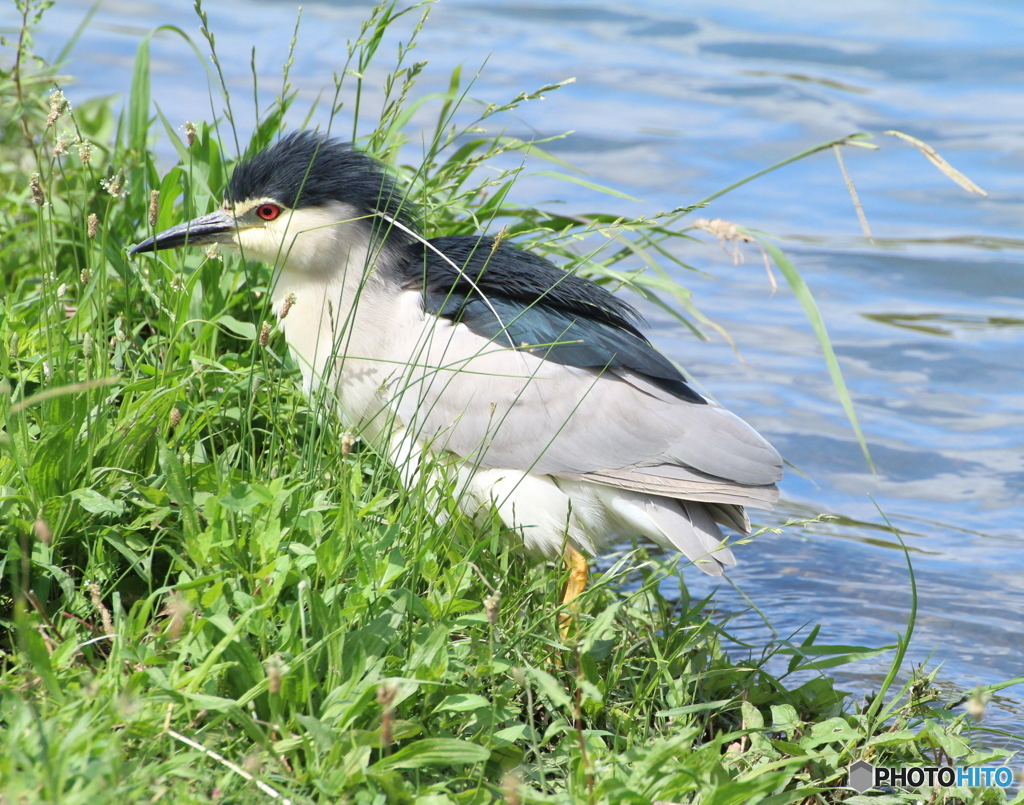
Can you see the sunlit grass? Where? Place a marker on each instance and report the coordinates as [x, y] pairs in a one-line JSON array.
[[205, 585]]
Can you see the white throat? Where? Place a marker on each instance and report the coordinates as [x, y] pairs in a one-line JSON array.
[[331, 303]]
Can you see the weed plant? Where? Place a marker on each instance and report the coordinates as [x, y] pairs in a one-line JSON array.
[[210, 593]]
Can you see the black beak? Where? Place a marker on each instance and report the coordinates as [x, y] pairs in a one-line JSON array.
[[217, 227]]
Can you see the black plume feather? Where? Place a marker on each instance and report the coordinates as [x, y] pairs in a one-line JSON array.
[[309, 169]]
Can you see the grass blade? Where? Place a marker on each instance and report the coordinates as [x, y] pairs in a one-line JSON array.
[[813, 313]]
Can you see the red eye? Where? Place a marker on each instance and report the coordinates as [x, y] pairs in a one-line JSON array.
[[268, 212]]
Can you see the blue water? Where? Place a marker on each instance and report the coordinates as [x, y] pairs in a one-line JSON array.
[[669, 105]]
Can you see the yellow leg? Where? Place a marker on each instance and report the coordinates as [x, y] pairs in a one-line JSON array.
[[576, 564]]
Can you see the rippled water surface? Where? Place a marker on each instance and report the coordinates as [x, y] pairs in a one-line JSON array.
[[674, 101]]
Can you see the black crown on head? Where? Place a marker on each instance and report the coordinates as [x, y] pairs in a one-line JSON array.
[[309, 169]]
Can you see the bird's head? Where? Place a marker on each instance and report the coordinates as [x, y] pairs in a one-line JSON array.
[[304, 203]]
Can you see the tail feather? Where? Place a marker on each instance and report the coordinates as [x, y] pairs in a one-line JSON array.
[[735, 517], [689, 527], [605, 513]]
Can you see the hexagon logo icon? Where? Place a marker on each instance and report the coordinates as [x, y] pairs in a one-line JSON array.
[[861, 776]]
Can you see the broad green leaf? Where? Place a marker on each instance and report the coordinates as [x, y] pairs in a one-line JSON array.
[[243, 329], [462, 702], [550, 687], [433, 752], [892, 738], [93, 501], [39, 656], [784, 717], [719, 704]]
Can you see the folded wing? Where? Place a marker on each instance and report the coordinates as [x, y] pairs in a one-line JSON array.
[[557, 380]]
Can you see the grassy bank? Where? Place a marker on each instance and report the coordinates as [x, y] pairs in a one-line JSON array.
[[209, 593]]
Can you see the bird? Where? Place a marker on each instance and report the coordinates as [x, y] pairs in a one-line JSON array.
[[533, 388]]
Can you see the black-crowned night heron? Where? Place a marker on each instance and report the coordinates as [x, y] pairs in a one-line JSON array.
[[534, 384]]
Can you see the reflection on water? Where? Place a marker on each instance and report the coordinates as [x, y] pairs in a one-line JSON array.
[[670, 107], [943, 324]]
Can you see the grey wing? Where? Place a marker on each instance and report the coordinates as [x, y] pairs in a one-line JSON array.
[[505, 408]]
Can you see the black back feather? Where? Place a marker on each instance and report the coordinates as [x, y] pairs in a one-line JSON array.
[[566, 319], [309, 169]]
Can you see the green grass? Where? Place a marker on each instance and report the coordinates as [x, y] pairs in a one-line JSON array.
[[207, 589]]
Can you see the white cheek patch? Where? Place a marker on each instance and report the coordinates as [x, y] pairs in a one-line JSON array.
[[317, 239]]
